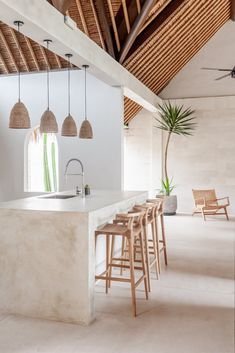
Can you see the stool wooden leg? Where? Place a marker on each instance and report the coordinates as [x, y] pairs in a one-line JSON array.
[[226, 213], [158, 243], [132, 275], [164, 239], [111, 257], [144, 265], [107, 262], [155, 248], [146, 248], [122, 254]]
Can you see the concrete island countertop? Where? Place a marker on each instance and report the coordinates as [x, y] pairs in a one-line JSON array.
[[97, 200], [48, 257]]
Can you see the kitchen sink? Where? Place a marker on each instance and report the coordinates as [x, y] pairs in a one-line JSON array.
[[58, 197]]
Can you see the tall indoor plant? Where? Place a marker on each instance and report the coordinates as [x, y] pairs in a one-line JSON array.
[[173, 119]]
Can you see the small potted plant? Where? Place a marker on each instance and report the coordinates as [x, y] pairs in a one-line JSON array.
[[173, 119]]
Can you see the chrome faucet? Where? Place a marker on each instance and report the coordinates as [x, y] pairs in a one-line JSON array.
[[81, 174]]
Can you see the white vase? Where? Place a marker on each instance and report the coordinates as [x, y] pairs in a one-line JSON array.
[[169, 204]]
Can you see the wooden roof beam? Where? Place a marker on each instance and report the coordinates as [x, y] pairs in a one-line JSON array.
[[105, 26], [116, 35], [32, 53], [97, 24], [81, 14], [153, 26], [136, 28], [125, 11], [233, 10], [62, 5]]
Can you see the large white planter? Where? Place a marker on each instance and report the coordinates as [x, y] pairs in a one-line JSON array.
[[169, 205]]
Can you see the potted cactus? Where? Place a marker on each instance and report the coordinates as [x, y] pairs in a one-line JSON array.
[[173, 119]]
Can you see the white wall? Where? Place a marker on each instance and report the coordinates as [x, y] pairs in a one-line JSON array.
[[207, 159], [142, 154], [102, 156]]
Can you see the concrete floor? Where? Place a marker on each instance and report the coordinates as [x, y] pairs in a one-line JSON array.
[[190, 310]]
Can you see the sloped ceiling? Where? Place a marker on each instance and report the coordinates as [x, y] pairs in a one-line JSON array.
[[192, 81], [153, 39]]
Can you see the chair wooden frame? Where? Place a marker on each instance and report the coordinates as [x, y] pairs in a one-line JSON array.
[[207, 204]]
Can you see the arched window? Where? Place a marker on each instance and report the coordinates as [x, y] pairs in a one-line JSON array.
[[41, 162]]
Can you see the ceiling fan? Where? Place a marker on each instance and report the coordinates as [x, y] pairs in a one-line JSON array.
[[231, 72]]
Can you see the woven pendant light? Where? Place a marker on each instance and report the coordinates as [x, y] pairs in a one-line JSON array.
[[19, 116], [48, 122], [86, 128], [69, 127]]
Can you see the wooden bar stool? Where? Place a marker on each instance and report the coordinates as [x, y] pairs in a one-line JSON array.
[[130, 227], [159, 215], [151, 238]]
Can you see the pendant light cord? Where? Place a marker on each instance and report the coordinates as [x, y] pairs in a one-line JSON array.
[[19, 83], [85, 98], [69, 87], [48, 82]]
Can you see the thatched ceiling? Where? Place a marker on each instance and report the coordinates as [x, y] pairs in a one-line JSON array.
[[153, 39]]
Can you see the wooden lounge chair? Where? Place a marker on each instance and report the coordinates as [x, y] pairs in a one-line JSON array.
[[207, 203]]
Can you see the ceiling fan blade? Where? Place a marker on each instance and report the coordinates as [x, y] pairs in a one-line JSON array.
[[221, 77], [216, 69]]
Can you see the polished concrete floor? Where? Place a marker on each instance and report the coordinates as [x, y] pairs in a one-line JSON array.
[[190, 309]]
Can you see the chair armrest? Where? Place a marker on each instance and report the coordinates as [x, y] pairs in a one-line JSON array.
[[224, 198]]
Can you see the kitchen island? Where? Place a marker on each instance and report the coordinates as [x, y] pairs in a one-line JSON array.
[[47, 253]]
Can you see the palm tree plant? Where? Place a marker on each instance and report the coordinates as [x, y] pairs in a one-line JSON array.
[[173, 119]]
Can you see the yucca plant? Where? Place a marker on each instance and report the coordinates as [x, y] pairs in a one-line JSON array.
[[174, 119]]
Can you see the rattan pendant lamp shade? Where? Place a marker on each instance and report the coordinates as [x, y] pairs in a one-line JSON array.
[[48, 122], [86, 128], [19, 116], [69, 128]]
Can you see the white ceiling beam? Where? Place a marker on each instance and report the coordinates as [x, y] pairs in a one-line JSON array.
[[50, 25]]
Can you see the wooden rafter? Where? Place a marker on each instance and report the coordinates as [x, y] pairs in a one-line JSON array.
[[138, 5], [136, 28], [45, 57], [8, 50], [32, 53], [97, 24], [162, 18], [4, 64], [81, 14], [125, 11], [58, 61], [155, 14], [19, 48], [114, 25], [62, 5], [233, 10], [105, 26]]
